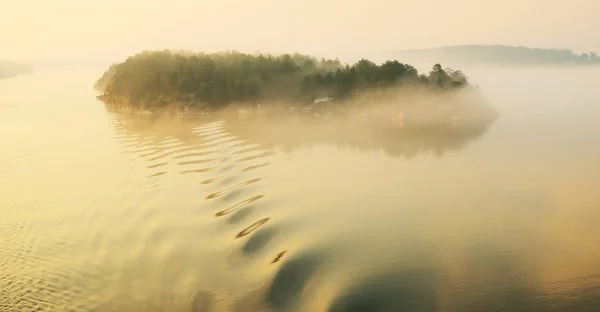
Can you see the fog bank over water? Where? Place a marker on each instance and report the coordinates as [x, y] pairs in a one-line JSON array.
[[104, 211]]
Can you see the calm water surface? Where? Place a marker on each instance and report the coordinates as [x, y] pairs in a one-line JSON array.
[[106, 212]]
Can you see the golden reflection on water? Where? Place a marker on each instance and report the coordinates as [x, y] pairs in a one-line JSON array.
[[110, 212]]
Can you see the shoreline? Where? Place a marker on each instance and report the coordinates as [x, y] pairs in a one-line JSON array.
[[401, 116]]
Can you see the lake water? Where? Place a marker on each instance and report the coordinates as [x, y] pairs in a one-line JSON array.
[[106, 212]]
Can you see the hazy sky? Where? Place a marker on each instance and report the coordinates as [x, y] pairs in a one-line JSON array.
[[109, 29]]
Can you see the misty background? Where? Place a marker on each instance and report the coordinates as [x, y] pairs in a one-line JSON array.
[[39, 31], [103, 211]]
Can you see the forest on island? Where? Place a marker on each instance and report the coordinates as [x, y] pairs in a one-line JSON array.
[[155, 79]]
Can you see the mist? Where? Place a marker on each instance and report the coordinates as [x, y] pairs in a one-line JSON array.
[[173, 212], [66, 30], [410, 193]]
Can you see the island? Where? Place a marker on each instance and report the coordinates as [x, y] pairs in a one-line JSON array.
[[498, 55], [180, 83], [10, 69]]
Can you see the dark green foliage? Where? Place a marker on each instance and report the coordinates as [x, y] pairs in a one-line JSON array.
[[103, 81], [155, 79]]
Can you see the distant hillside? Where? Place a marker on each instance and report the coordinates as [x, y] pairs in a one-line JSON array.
[[497, 54], [10, 69]]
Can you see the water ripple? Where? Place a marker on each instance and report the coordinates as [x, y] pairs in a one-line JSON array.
[[232, 188], [252, 227], [238, 205]]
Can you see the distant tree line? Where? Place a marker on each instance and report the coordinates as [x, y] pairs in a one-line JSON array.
[[502, 54], [10, 69], [154, 79]]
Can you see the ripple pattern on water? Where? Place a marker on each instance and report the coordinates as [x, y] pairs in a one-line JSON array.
[[230, 171]]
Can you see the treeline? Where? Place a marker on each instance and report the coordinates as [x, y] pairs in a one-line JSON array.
[[155, 79], [501, 54], [10, 69]]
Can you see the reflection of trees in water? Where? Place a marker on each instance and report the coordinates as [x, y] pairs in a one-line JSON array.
[[159, 128], [289, 133], [363, 136], [487, 276]]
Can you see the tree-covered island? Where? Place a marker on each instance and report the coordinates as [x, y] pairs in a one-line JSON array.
[[168, 82]]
